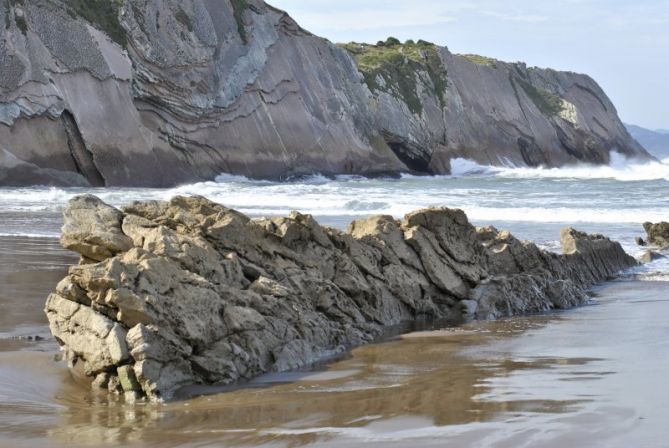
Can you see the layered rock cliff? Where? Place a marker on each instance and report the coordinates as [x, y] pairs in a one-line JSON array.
[[156, 93], [169, 294]]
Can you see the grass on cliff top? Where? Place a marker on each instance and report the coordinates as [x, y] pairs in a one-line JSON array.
[[102, 14], [373, 57], [393, 67], [480, 60]]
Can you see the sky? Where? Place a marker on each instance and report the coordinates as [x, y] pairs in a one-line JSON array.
[[622, 44]]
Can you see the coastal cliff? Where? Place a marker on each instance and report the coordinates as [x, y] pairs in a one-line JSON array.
[[171, 294], [149, 93]]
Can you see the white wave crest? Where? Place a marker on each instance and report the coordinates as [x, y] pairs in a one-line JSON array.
[[466, 167], [621, 169]]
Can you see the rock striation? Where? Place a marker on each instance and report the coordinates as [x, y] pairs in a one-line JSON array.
[[170, 294], [158, 93]]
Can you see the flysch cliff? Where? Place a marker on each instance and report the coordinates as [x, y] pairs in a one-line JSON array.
[[171, 294], [157, 93]]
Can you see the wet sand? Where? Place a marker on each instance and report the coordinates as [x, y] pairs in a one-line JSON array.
[[29, 269], [595, 376]]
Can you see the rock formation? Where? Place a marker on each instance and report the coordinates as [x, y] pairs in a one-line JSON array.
[[649, 256], [169, 294], [658, 234], [157, 93]]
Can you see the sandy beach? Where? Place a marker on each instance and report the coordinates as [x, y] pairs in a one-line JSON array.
[[593, 375]]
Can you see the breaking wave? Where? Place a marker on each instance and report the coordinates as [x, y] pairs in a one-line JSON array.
[[620, 169], [625, 193]]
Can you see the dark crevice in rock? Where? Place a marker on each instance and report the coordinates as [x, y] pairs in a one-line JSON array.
[[601, 126], [594, 94], [415, 157], [530, 152], [83, 158], [582, 147]]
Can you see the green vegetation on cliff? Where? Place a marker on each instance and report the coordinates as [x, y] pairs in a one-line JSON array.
[[18, 19], [239, 6], [547, 102], [182, 17], [22, 24], [398, 68], [103, 14], [480, 60]]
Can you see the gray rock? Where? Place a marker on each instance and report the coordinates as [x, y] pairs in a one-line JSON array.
[[469, 307], [206, 295], [179, 91], [650, 256], [658, 234]]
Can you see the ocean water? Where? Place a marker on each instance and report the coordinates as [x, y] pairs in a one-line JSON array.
[[533, 203], [593, 376]]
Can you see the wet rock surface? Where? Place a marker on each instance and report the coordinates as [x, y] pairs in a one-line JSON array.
[[205, 295], [657, 234], [650, 256]]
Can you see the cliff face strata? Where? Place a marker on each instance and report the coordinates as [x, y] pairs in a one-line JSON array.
[[183, 292], [159, 93]]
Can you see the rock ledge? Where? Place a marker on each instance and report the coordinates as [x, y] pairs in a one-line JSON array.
[[169, 294]]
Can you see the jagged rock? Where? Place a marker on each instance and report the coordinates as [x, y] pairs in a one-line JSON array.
[[159, 93], [207, 295], [90, 337], [658, 234], [93, 229]]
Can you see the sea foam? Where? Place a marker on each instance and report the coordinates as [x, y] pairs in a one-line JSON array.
[[623, 192], [620, 168]]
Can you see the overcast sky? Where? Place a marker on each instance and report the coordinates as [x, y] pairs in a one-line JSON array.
[[623, 44]]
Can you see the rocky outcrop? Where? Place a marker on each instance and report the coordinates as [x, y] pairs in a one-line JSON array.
[[156, 93], [169, 294], [657, 234]]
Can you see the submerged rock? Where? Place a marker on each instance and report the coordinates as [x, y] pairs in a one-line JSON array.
[[658, 234], [190, 292], [650, 256]]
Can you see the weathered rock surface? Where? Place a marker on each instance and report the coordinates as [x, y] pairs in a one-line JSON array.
[[157, 93], [657, 234], [205, 295]]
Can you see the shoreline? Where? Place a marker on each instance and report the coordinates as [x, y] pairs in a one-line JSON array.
[[172, 294], [380, 393], [342, 403], [418, 390]]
